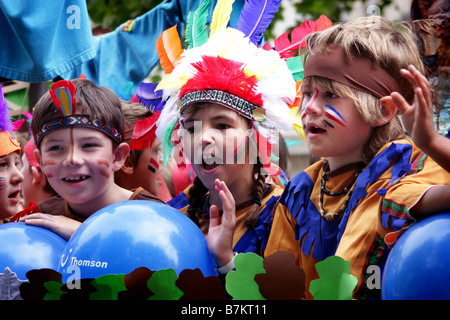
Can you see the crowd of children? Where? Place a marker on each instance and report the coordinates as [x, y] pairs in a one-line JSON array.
[[226, 100]]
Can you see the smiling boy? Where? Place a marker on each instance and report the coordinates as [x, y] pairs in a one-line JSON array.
[[78, 130]]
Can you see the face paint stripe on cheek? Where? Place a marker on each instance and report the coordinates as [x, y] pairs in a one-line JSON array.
[[104, 162], [105, 173], [240, 151], [334, 115], [49, 163], [154, 165], [3, 183], [71, 145], [314, 97]]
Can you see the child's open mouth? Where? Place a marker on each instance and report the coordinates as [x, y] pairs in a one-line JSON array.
[[316, 130], [14, 194], [210, 163]]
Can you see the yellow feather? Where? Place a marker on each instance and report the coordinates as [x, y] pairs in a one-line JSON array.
[[64, 101], [168, 82], [297, 123], [221, 15]]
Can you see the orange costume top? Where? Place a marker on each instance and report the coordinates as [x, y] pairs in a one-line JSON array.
[[244, 239], [377, 210]]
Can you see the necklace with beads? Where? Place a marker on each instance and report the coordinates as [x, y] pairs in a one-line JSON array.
[[348, 190]]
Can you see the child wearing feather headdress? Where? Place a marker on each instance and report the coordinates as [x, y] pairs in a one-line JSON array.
[[10, 165], [143, 166], [78, 128], [226, 101], [372, 182]]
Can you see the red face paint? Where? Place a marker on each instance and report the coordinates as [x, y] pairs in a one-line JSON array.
[[3, 183], [104, 162], [49, 163], [314, 97], [154, 165]]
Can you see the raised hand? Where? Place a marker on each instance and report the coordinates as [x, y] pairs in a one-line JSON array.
[[221, 228]]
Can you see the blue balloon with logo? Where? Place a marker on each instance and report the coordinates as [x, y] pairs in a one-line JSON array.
[[24, 248], [418, 265], [131, 234]]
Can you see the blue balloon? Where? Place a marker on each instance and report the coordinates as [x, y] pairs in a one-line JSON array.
[[131, 234], [418, 265], [24, 247]]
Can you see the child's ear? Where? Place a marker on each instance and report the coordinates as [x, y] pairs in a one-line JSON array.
[[121, 153], [388, 110], [37, 156], [128, 167], [38, 176]]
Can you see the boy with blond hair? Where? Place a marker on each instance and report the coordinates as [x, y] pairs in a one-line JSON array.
[[372, 182]]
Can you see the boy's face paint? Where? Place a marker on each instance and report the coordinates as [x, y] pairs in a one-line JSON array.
[[77, 163], [10, 179], [311, 101], [154, 165], [334, 115], [145, 173], [338, 135]]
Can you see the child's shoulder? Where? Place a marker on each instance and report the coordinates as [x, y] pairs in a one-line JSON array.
[[142, 194]]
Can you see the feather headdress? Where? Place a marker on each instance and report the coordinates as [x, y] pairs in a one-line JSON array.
[[230, 68], [8, 144]]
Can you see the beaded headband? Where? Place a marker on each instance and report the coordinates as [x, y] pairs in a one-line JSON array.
[[63, 96], [242, 106], [78, 120]]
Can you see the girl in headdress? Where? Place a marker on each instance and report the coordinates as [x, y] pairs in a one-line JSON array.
[[226, 100]]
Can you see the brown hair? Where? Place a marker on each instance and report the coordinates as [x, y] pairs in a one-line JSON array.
[[133, 112], [98, 102], [389, 46]]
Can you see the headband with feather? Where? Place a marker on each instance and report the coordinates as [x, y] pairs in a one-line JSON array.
[[63, 95]]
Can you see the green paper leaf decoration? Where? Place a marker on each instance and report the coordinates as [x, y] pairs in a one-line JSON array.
[[108, 287], [162, 283], [336, 282], [241, 284], [54, 290]]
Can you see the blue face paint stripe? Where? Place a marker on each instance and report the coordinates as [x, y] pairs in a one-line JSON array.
[[334, 115]]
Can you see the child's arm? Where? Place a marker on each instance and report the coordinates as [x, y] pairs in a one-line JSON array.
[[61, 225], [418, 119], [435, 200], [221, 229]]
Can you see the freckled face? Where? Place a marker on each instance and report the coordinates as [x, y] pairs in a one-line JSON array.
[[77, 163]]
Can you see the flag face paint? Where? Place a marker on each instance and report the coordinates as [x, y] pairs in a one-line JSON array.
[[154, 165], [332, 114]]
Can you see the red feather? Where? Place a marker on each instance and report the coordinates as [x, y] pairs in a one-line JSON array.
[[144, 133], [225, 75], [288, 48]]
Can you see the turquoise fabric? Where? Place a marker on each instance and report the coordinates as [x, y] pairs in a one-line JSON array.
[[43, 39]]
